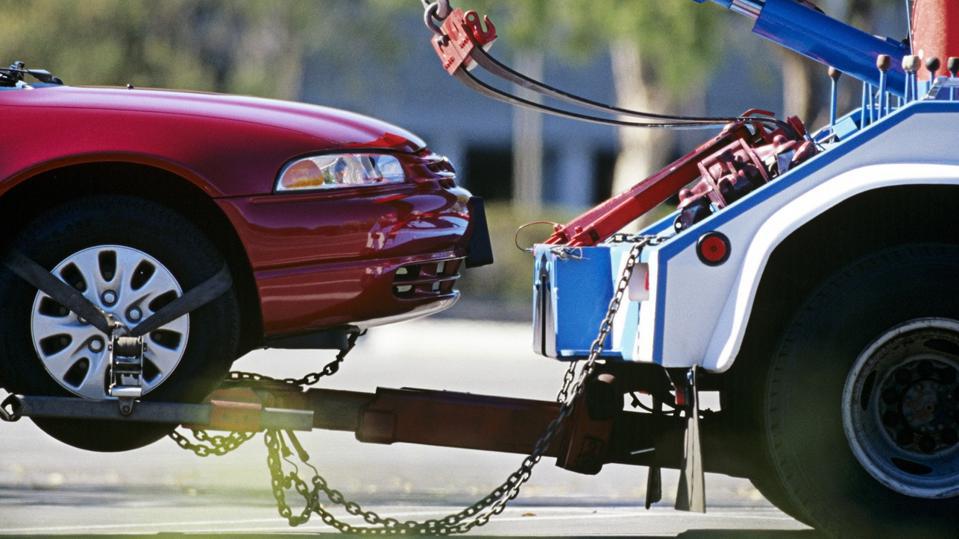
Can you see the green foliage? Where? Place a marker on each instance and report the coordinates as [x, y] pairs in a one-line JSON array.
[[244, 46], [678, 39]]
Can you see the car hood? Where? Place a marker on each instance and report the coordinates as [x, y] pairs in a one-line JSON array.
[[333, 128]]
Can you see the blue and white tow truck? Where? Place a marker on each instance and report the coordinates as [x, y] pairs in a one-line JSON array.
[[811, 278]]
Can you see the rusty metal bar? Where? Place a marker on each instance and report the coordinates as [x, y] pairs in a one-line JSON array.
[[509, 425]]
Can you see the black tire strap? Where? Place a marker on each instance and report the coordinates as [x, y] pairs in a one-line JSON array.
[[64, 294], [71, 298], [193, 299]]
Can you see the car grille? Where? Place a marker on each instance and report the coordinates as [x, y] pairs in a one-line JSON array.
[[425, 280], [437, 166]]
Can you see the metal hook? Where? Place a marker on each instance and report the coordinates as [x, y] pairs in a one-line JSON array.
[[436, 11], [524, 227], [10, 409], [484, 32], [443, 9], [430, 14]]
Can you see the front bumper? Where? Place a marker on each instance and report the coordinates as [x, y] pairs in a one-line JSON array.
[[328, 260]]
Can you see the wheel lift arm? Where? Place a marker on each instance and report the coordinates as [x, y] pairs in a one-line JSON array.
[[427, 417]]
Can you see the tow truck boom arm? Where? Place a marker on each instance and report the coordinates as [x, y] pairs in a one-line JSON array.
[[801, 27]]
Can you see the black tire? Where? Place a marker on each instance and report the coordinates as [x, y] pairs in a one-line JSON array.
[[161, 233], [816, 475]]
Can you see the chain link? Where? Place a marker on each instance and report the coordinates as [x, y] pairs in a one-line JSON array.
[[310, 379], [213, 444], [209, 444], [476, 514]]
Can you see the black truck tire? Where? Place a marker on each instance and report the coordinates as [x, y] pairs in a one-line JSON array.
[[894, 312]]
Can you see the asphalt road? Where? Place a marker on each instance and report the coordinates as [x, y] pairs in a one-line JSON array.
[[47, 488]]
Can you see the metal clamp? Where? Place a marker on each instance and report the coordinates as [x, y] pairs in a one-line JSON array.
[[11, 409], [126, 370]]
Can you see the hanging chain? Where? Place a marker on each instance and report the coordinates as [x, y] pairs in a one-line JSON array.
[[211, 444], [214, 444], [310, 379], [475, 515]]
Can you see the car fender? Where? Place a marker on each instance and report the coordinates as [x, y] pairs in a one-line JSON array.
[[153, 161], [222, 157]]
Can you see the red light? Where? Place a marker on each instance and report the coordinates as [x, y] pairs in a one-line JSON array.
[[713, 248]]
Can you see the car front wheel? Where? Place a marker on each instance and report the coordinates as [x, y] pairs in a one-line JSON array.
[[129, 257]]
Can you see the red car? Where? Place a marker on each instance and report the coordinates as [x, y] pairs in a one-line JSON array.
[[328, 221]]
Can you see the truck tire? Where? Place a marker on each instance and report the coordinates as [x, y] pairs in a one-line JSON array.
[[861, 398], [129, 256]]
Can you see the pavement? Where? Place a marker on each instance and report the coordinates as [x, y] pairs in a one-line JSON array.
[[48, 488]]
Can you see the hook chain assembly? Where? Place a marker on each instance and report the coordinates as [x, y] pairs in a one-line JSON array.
[[283, 444], [461, 41]]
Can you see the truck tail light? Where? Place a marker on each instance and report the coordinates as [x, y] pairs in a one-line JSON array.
[[713, 248]]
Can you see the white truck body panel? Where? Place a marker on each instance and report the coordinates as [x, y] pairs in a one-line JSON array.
[[684, 323]]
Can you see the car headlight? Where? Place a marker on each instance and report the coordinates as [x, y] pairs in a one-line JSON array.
[[340, 170]]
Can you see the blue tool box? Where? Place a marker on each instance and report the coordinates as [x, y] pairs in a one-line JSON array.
[[572, 288]]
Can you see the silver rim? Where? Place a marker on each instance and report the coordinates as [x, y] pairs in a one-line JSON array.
[[901, 408], [126, 283]]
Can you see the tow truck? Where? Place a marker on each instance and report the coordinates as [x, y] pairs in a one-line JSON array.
[[807, 276]]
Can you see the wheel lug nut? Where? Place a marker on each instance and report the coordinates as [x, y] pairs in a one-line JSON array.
[[96, 345], [134, 314], [109, 297]]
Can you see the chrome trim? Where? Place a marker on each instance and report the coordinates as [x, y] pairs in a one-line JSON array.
[[749, 8]]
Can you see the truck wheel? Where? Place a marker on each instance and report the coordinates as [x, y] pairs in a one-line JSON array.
[[130, 257], [862, 398]]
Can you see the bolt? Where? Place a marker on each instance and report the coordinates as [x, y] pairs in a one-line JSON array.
[[134, 314], [109, 297], [96, 345]]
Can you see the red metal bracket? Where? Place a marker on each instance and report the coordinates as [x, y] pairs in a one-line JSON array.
[[462, 32]]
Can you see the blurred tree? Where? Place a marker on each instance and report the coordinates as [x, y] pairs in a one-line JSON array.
[[805, 86], [661, 53], [244, 46]]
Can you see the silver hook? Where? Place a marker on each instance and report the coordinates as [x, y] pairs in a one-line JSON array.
[[430, 15]]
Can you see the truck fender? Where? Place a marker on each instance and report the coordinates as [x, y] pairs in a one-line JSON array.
[[727, 336]]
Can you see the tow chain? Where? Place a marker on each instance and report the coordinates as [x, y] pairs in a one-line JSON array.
[[279, 444], [207, 444]]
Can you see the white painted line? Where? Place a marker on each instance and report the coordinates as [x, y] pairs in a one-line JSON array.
[[279, 525], [278, 519]]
